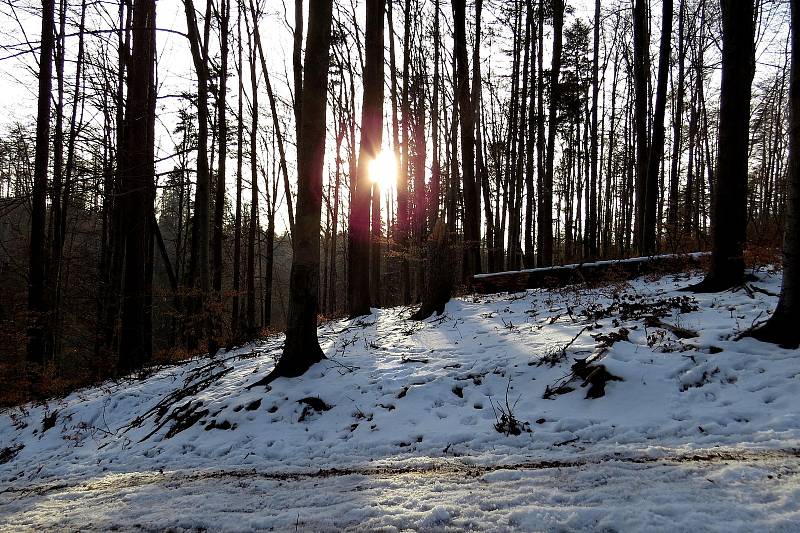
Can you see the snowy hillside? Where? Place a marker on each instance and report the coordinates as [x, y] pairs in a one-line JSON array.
[[442, 424]]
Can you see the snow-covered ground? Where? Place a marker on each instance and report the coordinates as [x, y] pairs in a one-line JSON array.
[[397, 429]]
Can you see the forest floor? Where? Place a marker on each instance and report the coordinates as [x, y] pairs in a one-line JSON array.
[[489, 417]]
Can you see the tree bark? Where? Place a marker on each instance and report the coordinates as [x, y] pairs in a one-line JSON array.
[[219, 203], [301, 349], [672, 209], [472, 252], [37, 304], [198, 262], [137, 169], [403, 218], [371, 135], [592, 219], [252, 230], [237, 218], [641, 73], [729, 210], [781, 328], [545, 248], [649, 238]]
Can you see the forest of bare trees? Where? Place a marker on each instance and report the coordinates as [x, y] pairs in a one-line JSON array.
[[386, 154]]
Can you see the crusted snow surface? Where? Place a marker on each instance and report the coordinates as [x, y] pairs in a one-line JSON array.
[[397, 428]]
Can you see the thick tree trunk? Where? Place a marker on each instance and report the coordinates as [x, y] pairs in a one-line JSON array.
[[137, 169], [781, 328], [371, 134], [37, 304], [729, 210], [301, 349]]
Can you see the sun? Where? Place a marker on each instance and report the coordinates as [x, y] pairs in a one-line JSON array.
[[383, 169]]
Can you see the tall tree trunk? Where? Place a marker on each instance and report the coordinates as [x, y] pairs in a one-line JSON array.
[[649, 239], [301, 349], [781, 328], [472, 252], [514, 248], [677, 131], [53, 262], [254, 225], [37, 304], [641, 73], [219, 203], [540, 138], [402, 194], [529, 258], [420, 192], [117, 242], [371, 134], [237, 218], [480, 165], [592, 222], [403, 219], [729, 211], [137, 170], [545, 247], [433, 202], [198, 262]]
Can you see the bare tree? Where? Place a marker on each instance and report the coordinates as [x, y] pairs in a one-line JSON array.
[[729, 211], [301, 349], [641, 76], [781, 328], [219, 201], [472, 216], [371, 134], [37, 303], [137, 170], [648, 238], [198, 262], [545, 244]]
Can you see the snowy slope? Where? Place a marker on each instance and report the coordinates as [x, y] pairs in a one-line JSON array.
[[402, 412]]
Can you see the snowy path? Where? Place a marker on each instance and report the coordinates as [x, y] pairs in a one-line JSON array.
[[742, 491]]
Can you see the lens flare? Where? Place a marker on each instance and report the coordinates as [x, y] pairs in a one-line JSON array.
[[383, 169]]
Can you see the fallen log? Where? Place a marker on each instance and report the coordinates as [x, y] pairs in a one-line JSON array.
[[559, 276]]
